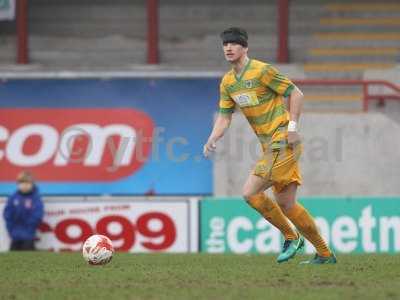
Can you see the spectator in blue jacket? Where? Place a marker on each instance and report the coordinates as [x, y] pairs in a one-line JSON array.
[[23, 213]]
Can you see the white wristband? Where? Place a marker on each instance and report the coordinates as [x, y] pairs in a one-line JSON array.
[[292, 127]]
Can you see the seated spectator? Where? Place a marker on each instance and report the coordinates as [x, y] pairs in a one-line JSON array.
[[23, 213]]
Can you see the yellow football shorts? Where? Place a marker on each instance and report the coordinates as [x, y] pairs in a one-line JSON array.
[[281, 167]]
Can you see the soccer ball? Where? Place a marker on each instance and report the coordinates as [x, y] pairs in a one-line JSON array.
[[98, 250]]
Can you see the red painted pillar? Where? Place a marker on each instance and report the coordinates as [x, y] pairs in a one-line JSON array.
[[152, 32], [283, 31], [22, 31]]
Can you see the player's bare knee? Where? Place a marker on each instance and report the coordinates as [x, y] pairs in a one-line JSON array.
[[247, 193], [246, 196]]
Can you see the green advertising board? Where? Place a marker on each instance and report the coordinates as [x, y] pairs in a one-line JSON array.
[[350, 225]]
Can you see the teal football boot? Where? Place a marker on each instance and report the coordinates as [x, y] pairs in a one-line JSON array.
[[320, 260], [290, 248]]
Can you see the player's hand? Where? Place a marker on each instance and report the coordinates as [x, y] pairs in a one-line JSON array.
[[209, 148], [293, 138]]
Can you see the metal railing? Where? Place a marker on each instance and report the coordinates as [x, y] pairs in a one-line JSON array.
[[365, 84]]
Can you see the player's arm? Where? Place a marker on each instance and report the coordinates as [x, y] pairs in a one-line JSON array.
[[286, 88], [295, 107], [223, 121], [220, 126]]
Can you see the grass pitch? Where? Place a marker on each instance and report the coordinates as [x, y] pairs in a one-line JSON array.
[[43, 275]]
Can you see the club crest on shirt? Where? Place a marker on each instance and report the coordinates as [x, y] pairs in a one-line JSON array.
[[248, 84], [246, 99]]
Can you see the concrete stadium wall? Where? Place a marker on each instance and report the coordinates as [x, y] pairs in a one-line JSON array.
[[345, 154]]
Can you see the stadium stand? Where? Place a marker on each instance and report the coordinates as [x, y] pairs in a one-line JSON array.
[[105, 34], [338, 39], [67, 33], [331, 39], [347, 38], [323, 34]]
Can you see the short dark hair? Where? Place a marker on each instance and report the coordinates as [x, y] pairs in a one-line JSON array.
[[235, 35], [25, 176]]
